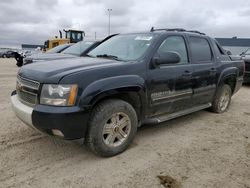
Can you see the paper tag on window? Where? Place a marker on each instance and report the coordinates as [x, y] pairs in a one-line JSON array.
[[148, 38]]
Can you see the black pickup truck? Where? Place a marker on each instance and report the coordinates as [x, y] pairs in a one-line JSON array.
[[246, 57], [128, 80]]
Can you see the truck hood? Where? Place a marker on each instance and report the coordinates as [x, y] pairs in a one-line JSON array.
[[53, 71], [48, 56]]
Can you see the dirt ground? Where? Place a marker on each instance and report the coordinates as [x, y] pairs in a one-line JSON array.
[[199, 150]]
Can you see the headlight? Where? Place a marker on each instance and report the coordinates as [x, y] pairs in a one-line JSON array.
[[58, 95]]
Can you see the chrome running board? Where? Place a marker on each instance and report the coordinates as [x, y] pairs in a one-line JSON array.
[[162, 118]]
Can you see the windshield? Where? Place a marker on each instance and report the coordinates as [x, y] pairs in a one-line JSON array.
[[124, 47], [247, 52], [58, 48], [78, 48]]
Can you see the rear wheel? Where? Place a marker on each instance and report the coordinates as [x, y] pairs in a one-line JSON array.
[[4, 56], [112, 127], [222, 99]]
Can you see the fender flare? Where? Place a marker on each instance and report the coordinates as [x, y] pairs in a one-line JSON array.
[[112, 85], [228, 72]]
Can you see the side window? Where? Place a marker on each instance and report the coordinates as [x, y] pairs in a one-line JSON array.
[[79, 36], [200, 50], [74, 36], [175, 44], [217, 47], [54, 44]]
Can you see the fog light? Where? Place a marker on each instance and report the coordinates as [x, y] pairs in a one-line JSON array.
[[57, 132]]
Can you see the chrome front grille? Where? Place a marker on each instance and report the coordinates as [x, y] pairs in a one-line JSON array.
[[28, 83], [27, 90]]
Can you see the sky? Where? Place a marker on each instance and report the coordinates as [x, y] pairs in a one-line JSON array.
[[34, 21]]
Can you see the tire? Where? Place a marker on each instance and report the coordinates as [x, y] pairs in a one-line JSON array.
[[222, 99], [4, 56], [107, 135]]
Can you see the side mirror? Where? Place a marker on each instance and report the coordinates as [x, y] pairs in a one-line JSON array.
[[242, 54], [228, 52], [166, 58]]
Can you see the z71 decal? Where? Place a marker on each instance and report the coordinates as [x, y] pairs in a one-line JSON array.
[[170, 94]]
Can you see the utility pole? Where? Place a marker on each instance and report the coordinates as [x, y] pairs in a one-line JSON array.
[[109, 10]]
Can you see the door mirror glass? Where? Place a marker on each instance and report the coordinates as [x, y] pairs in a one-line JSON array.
[[228, 52], [166, 58]]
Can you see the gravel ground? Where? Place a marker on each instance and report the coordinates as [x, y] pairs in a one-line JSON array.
[[202, 149]]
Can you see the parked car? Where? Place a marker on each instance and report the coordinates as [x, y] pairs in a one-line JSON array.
[[25, 53], [2, 51], [246, 57], [76, 50], [35, 54], [126, 81], [58, 49], [8, 54]]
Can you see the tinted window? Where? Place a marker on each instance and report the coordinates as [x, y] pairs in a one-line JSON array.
[[174, 44], [217, 47], [219, 51], [200, 49]]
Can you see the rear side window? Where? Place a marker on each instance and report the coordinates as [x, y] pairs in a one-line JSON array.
[[218, 48], [200, 50]]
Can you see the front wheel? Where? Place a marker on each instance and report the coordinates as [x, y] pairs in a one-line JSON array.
[[222, 99], [112, 127]]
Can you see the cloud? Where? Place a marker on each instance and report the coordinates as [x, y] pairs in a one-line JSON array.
[[46, 4], [34, 21], [244, 12]]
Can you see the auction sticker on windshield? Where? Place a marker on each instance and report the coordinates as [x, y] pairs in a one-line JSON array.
[[144, 38]]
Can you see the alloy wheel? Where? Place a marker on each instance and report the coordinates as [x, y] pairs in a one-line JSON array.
[[116, 129]]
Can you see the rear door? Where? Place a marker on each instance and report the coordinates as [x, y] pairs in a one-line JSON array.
[[205, 70], [170, 86]]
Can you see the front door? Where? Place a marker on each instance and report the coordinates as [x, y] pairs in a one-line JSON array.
[[170, 85]]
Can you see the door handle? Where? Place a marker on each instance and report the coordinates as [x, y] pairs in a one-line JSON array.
[[187, 74], [213, 71]]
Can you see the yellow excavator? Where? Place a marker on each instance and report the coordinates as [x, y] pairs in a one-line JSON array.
[[71, 36]]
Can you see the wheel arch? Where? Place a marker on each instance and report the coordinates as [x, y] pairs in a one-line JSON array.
[[129, 94], [128, 88], [228, 76]]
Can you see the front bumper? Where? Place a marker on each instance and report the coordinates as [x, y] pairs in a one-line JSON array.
[[247, 77], [70, 122], [22, 111]]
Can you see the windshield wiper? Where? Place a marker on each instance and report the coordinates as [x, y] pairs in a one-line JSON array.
[[87, 55], [108, 56]]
